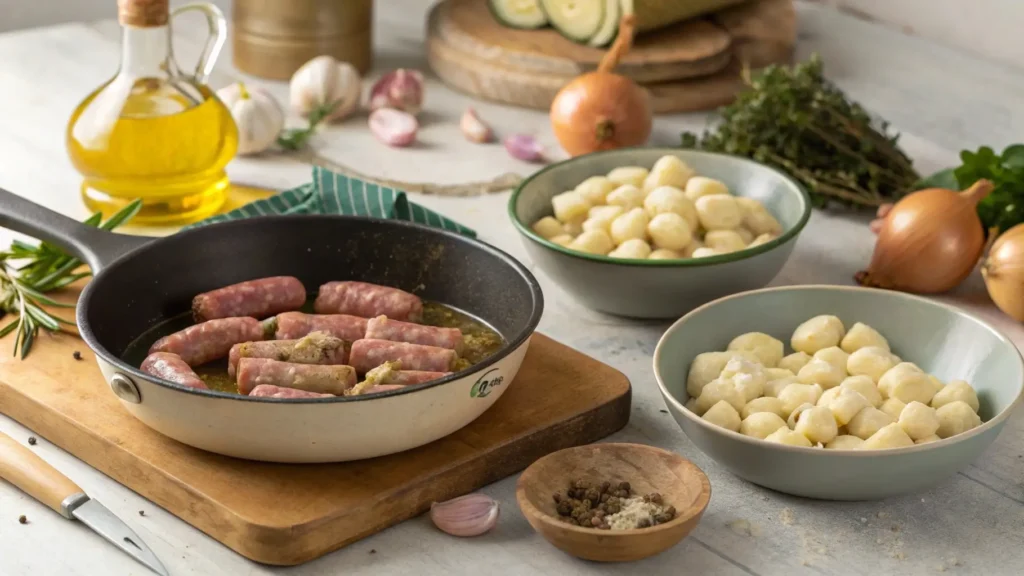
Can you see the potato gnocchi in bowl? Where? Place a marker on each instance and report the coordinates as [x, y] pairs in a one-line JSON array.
[[839, 389], [667, 212]]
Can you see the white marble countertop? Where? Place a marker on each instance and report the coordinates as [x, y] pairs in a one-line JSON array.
[[943, 100]]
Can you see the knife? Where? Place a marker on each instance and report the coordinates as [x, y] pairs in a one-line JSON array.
[[23, 468]]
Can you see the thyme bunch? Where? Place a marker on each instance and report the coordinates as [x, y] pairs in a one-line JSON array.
[[794, 119]]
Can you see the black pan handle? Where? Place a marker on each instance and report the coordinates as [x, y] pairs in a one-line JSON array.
[[98, 248]]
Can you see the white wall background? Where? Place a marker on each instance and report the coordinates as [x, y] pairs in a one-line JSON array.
[[991, 28]]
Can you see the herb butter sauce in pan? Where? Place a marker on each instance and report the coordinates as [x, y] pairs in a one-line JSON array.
[[143, 289]]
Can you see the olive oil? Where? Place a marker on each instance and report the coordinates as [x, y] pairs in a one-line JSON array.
[[153, 132]]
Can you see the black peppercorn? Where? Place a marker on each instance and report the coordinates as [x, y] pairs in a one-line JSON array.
[[564, 508], [605, 486], [654, 497], [593, 495], [22, 519], [76, 355], [604, 498], [31, 440], [624, 486], [671, 511], [643, 523]]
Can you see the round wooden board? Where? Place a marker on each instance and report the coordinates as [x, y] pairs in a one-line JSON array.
[[685, 50], [761, 32]]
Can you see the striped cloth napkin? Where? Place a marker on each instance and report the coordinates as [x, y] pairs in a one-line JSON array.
[[334, 193]]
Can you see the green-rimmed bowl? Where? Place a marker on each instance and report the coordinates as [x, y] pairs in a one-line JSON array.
[[660, 288], [941, 339]]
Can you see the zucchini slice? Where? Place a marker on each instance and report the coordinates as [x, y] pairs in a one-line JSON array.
[[525, 14], [577, 20], [609, 26]]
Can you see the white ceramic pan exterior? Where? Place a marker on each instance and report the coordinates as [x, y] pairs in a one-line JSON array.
[[318, 430]]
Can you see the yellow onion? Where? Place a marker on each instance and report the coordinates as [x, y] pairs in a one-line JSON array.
[[929, 242], [1003, 272]]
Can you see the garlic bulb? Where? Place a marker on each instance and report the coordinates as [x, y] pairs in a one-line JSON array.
[[400, 89], [469, 515], [325, 87], [257, 114]]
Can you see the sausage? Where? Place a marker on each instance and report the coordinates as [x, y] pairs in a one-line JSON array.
[[368, 300], [256, 298], [314, 348], [271, 391], [409, 377], [210, 340], [367, 354], [335, 379], [171, 367], [384, 328], [292, 325]]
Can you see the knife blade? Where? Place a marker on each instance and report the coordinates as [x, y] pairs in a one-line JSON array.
[[33, 475]]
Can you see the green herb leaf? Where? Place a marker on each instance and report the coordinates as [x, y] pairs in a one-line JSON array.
[[792, 118], [24, 288]]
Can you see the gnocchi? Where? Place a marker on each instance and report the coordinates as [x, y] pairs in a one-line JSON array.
[[684, 215], [761, 424], [839, 390]]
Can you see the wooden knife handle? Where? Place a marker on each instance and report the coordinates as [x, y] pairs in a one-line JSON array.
[[23, 468]]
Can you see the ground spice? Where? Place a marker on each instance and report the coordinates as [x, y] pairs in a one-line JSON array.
[[610, 506]]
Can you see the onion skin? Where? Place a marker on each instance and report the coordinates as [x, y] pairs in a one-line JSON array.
[[1003, 272], [602, 110], [929, 242]]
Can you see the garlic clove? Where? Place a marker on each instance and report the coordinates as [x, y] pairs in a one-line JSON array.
[[393, 127], [474, 129], [400, 89], [469, 515], [524, 147], [326, 88], [257, 115]]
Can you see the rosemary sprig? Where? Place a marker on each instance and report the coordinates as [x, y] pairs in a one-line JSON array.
[[46, 268], [296, 138]]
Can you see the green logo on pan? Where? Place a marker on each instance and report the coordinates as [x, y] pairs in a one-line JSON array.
[[485, 383]]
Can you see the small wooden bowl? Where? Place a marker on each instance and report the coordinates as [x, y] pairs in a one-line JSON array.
[[647, 469]]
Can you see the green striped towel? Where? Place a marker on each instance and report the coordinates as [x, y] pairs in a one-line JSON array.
[[333, 193]]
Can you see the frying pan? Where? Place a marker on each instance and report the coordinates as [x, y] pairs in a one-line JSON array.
[[139, 282]]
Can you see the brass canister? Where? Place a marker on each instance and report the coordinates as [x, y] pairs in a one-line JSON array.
[[272, 38]]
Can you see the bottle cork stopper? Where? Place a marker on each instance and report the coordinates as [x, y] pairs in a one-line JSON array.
[[143, 13]]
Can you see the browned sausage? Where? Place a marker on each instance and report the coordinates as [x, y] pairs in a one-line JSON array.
[[309, 377], [384, 328], [210, 340], [171, 367], [257, 298], [314, 348], [368, 300], [367, 354]]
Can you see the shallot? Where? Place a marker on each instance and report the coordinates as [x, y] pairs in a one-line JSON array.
[[469, 515], [1003, 271], [524, 147], [400, 89], [929, 241], [602, 110], [475, 129], [393, 127]]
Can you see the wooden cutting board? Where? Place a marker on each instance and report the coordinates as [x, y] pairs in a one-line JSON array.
[[288, 514], [689, 66]]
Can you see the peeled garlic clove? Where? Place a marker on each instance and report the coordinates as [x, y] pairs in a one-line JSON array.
[[473, 128], [469, 515], [393, 127], [325, 86], [256, 113], [524, 147], [400, 89]]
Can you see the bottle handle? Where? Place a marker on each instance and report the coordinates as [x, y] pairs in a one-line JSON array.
[[214, 42]]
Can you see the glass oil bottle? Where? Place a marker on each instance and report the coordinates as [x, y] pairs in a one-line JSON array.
[[153, 132]]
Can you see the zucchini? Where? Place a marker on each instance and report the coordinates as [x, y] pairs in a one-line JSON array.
[[518, 13], [609, 25], [652, 14], [577, 20]]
